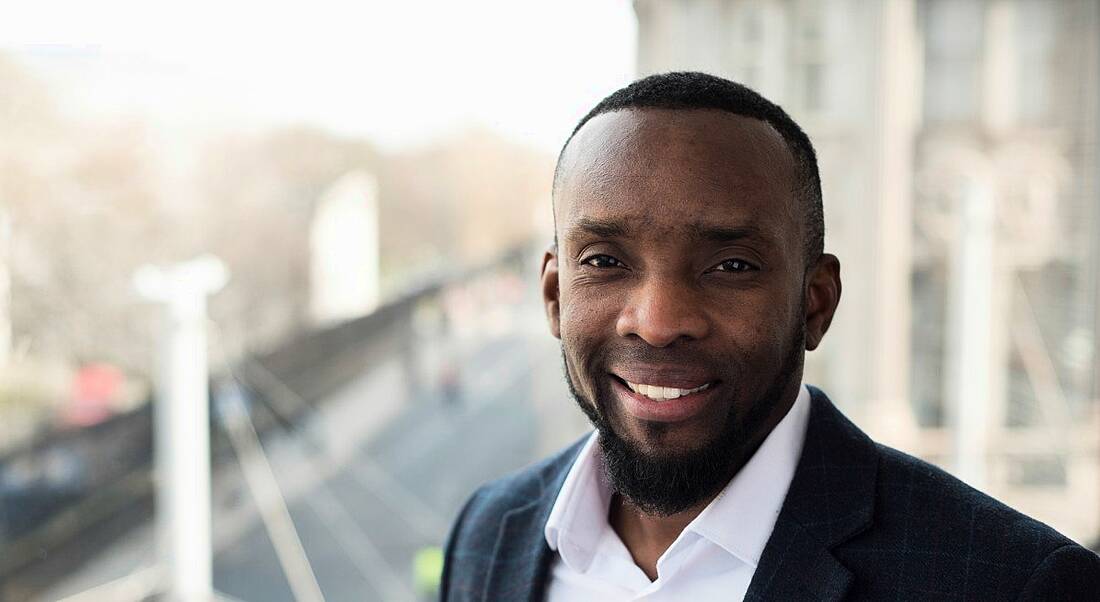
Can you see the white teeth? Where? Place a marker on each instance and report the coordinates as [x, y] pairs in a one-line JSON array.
[[658, 393]]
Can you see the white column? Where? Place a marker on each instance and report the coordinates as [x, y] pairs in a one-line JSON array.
[[894, 117], [971, 333], [772, 69], [5, 287], [999, 67], [181, 424], [345, 272]]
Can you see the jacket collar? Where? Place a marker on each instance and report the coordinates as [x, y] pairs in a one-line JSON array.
[[830, 500]]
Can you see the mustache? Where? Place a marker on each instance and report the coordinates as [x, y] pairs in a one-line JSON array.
[[646, 355]]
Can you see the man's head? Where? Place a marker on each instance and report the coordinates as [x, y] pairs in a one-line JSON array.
[[700, 91], [688, 260]]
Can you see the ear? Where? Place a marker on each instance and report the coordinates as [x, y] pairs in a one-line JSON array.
[[822, 298], [550, 290]]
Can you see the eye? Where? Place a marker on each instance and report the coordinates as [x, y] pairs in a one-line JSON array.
[[602, 261], [733, 265]]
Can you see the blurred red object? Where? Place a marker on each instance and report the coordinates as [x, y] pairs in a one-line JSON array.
[[95, 391]]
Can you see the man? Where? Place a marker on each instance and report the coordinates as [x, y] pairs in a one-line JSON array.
[[686, 281]]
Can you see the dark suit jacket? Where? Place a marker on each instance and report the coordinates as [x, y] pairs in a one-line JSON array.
[[861, 521]]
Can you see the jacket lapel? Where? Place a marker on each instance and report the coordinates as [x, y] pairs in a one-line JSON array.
[[831, 499], [521, 557], [796, 566]]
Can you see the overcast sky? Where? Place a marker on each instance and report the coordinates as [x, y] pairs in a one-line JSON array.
[[399, 72]]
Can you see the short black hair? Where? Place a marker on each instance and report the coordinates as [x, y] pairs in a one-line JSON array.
[[688, 90]]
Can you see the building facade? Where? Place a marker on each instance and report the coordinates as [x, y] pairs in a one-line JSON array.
[[957, 141]]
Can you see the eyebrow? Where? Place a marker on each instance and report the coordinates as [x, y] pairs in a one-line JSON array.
[[714, 233], [697, 231], [601, 228]]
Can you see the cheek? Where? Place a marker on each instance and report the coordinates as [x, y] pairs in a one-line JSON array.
[[757, 337], [579, 341], [578, 357], [585, 317], [585, 321]]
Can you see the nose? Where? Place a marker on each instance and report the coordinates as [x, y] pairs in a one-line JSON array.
[[661, 311]]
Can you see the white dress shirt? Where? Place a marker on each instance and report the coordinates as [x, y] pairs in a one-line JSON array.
[[715, 556]]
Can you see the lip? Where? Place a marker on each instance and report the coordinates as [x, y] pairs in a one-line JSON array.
[[665, 376], [671, 410]]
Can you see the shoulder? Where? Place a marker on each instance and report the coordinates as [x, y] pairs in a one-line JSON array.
[[1070, 572], [912, 489], [472, 542], [937, 530], [908, 530]]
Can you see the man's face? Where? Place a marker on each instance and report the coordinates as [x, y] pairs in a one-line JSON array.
[[679, 288]]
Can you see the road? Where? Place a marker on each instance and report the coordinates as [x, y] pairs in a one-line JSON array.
[[361, 526]]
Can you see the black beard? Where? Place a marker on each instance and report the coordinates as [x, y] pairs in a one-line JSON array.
[[663, 485]]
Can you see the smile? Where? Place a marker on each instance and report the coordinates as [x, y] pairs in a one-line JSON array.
[[662, 393], [660, 403]]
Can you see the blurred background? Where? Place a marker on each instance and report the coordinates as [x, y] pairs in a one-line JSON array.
[[374, 179]]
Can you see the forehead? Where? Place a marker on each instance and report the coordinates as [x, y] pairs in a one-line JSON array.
[[670, 169]]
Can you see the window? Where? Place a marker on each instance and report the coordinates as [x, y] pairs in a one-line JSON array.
[[953, 59]]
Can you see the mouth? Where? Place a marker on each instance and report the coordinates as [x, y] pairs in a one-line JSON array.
[[662, 392], [663, 402]]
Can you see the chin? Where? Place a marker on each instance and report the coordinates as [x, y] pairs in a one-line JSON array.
[[664, 470]]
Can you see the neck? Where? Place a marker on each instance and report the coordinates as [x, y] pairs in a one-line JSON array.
[[647, 536]]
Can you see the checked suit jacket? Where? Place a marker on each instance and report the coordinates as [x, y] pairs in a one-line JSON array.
[[861, 521]]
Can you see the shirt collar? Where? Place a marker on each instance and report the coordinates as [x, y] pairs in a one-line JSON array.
[[579, 514], [740, 520], [742, 517]]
